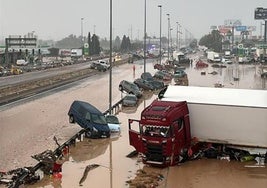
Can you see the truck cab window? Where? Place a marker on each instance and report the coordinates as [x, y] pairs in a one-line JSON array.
[[156, 131]]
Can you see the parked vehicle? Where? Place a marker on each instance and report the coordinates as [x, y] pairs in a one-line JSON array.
[[167, 133], [104, 62], [162, 75], [179, 73], [213, 57], [129, 100], [144, 84], [201, 64], [89, 118], [21, 62], [15, 70], [113, 123], [130, 88], [155, 83]]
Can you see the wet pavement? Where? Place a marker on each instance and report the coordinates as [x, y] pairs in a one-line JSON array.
[[49, 115]]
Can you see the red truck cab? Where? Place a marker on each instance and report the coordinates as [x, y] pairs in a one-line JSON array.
[[162, 136]]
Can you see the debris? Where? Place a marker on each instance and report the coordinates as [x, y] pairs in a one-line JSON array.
[[132, 154], [85, 173], [145, 179]]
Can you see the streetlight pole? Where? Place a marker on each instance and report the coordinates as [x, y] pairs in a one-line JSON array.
[[145, 39], [110, 89], [177, 33], [168, 37], [160, 7], [110, 58], [82, 30]]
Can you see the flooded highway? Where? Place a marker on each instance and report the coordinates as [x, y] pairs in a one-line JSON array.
[[34, 124]]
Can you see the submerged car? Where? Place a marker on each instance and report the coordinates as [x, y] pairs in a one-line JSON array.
[[89, 118], [113, 123], [144, 84], [155, 83], [130, 88], [162, 75], [129, 100]]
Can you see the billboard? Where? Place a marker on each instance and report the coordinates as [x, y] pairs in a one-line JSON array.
[[260, 13], [232, 23]]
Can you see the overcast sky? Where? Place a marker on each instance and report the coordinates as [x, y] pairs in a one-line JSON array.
[[56, 19]]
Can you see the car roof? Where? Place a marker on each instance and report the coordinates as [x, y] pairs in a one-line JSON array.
[[88, 106]]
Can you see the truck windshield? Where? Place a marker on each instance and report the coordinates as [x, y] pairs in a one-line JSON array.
[[156, 131]]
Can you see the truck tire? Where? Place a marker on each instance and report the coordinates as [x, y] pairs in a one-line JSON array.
[[71, 119]]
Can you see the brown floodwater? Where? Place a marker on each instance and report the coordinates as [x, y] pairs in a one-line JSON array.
[[115, 169]]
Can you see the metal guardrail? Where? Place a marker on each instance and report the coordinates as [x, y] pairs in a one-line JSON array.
[[25, 172]]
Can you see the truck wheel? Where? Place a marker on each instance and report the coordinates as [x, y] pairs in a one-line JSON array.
[[71, 119], [120, 88]]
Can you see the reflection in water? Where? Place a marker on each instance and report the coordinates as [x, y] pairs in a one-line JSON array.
[[79, 153]]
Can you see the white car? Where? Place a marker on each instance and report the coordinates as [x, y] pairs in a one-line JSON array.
[[113, 123]]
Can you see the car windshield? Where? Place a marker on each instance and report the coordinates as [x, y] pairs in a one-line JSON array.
[[99, 119], [112, 119]]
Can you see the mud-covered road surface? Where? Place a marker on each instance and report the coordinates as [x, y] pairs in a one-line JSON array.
[[28, 128]]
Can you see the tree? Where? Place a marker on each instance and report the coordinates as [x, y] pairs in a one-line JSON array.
[[95, 45], [125, 44], [90, 43], [117, 43], [212, 41]]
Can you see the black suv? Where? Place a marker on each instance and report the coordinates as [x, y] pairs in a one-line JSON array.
[[89, 118], [130, 88]]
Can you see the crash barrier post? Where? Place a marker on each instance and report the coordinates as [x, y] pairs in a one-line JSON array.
[[114, 109], [20, 179]]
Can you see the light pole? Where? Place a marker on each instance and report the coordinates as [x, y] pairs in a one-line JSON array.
[[160, 7], [177, 34], [145, 39], [180, 33], [110, 88], [82, 30], [168, 37], [110, 58]]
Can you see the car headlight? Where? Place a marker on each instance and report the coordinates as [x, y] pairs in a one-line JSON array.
[[95, 130]]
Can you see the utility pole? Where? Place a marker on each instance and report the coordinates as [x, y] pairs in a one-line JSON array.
[[168, 37], [160, 8], [145, 39]]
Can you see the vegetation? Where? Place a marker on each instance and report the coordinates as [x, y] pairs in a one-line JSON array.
[[125, 44], [212, 41]]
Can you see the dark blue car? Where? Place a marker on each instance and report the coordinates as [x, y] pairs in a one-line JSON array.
[[89, 118]]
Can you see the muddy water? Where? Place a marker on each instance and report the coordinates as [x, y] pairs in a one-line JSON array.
[[115, 168]]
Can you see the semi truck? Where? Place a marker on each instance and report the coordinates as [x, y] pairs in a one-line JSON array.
[[182, 115]]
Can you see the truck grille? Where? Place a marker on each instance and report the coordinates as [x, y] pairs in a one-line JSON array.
[[154, 152]]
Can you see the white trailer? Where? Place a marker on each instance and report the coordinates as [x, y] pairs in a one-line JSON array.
[[223, 115]]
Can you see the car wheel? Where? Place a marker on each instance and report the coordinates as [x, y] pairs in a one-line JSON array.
[[71, 119], [120, 88], [88, 133]]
